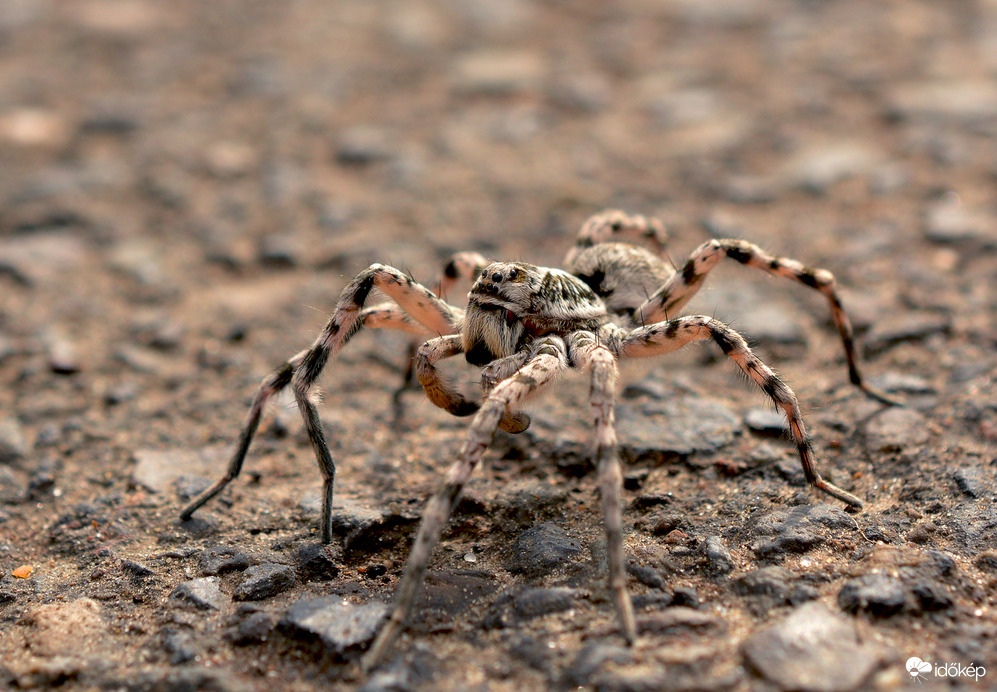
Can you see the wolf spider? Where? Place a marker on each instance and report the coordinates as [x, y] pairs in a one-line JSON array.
[[525, 325]]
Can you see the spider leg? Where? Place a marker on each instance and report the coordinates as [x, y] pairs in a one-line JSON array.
[[549, 360], [502, 368], [588, 354], [423, 308], [391, 316], [271, 385], [465, 265], [676, 292], [665, 337], [613, 225], [443, 394], [461, 265]]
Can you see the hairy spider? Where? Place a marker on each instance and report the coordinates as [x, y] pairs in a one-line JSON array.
[[525, 325]]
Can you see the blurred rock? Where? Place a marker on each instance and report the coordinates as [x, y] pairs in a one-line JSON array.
[[336, 623], [264, 581], [13, 443], [204, 593], [498, 72], [541, 549], [657, 431], [798, 652]]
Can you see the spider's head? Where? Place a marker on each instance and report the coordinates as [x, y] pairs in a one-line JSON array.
[[509, 285]]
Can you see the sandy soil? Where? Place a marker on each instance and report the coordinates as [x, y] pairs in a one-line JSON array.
[[185, 188]]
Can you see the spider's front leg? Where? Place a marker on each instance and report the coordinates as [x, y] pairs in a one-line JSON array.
[[669, 300], [549, 358], [460, 265], [444, 395], [665, 337], [587, 353], [415, 304]]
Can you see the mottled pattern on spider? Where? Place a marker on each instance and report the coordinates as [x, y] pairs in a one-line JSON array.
[[525, 325]]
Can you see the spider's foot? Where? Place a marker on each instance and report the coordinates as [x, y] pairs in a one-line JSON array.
[[880, 396], [836, 492]]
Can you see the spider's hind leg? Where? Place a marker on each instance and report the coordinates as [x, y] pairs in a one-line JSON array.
[[682, 286]]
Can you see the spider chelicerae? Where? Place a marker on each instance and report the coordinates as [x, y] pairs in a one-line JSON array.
[[525, 325]]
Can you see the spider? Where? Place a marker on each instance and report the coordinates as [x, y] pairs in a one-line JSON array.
[[525, 325]]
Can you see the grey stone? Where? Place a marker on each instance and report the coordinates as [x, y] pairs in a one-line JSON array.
[[908, 326], [338, 624], [204, 593], [498, 72], [281, 250], [541, 549], [718, 558], [136, 569], [949, 222], [817, 169], [896, 429], [765, 421], [223, 558], [590, 659], [647, 576], [681, 620], [806, 651], [876, 594], [946, 100], [771, 587], [761, 315], [972, 482], [533, 603], [159, 470], [315, 562], [180, 645], [12, 488], [13, 443], [264, 581], [253, 627], [658, 431], [361, 145], [797, 530]]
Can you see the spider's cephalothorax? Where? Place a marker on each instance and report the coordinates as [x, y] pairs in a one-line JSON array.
[[512, 303], [526, 325]]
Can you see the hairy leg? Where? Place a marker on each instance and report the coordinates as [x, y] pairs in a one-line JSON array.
[[461, 265], [613, 225], [548, 361], [443, 394], [423, 308], [271, 385], [588, 354], [669, 300], [665, 337]]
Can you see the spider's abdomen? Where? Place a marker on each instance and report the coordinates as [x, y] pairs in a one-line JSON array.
[[622, 275]]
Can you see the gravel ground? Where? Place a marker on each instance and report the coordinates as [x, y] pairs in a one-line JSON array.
[[185, 187]]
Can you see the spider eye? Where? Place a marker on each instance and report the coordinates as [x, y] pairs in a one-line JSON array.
[[616, 225], [513, 273], [496, 277]]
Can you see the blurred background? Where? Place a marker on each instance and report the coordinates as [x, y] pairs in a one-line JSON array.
[[185, 187]]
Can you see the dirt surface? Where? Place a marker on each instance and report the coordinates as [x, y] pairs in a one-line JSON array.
[[185, 187]]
